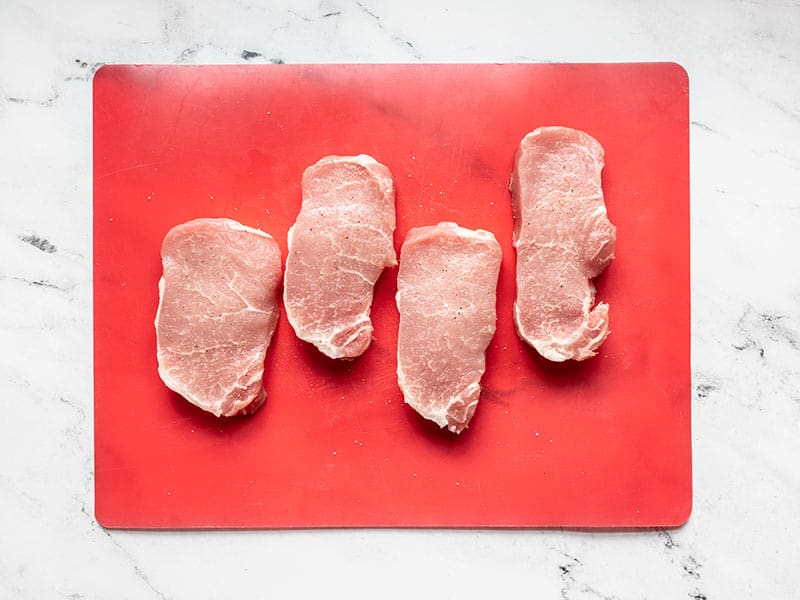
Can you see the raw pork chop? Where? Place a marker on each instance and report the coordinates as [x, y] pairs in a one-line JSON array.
[[563, 238], [338, 247], [217, 311], [446, 295]]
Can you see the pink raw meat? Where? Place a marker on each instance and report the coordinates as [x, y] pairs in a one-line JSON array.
[[339, 245], [446, 296], [563, 239], [217, 312]]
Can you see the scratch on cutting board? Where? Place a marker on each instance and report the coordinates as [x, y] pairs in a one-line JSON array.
[[480, 491], [425, 174], [131, 168], [379, 478], [175, 422], [655, 380]]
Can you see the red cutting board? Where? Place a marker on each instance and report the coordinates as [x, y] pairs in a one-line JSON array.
[[603, 443]]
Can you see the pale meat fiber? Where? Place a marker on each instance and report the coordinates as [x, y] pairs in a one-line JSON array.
[[563, 239], [446, 296], [339, 245], [217, 311]]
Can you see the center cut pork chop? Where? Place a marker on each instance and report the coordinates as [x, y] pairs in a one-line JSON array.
[[217, 311], [446, 296], [339, 245], [563, 239]]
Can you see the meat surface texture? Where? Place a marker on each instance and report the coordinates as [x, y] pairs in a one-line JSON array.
[[339, 245], [563, 239], [217, 311], [446, 296]]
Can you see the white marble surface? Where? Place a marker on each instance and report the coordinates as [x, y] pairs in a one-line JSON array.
[[743, 58]]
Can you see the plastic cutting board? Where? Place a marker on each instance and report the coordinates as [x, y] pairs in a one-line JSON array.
[[603, 443]]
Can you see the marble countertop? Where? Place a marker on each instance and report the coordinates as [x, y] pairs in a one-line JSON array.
[[742, 57]]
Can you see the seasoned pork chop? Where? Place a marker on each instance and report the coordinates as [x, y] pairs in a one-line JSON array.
[[446, 296], [217, 311], [563, 239], [338, 247]]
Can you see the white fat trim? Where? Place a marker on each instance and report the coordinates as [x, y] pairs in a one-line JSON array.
[[334, 351], [236, 226], [214, 407], [161, 284]]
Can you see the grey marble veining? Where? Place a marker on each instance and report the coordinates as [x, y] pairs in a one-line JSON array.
[[743, 59]]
